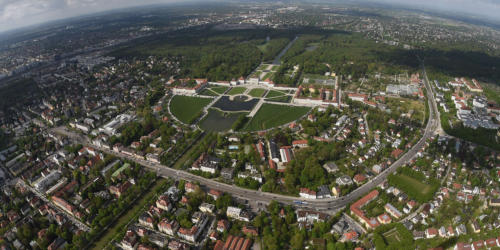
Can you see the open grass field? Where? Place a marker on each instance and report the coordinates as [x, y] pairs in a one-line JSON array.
[[285, 98], [209, 92], [416, 184], [263, 67], [274, 93], [219, 89], [237, 91], [257, 92], [268, 75], [273, 115], [187, 108], [492, 93]]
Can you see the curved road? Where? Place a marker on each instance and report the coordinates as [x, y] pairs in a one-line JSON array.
[[329, 204]]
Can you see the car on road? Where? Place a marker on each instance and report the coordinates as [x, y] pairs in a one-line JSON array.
[[300, 202]]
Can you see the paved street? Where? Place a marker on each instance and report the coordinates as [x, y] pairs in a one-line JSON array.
[[327, 205], [76, 222]]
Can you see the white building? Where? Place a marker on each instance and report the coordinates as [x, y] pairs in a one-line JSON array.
[[44, 182]]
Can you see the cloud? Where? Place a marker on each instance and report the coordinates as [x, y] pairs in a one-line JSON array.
[[13, 10], [18, 13], [478, 8]]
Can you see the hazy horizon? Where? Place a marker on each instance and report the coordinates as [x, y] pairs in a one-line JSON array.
[[15, 14]]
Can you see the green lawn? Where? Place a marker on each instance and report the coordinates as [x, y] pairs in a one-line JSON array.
[[491, 94], [132, 212], [414, 184], [284, 98], [209, 92], [263, 67], [417, 185], [268, 75], [257, 92], [219, 89], [237, 91], [317, 76], [188, 108], [272, 115], [274, 93]]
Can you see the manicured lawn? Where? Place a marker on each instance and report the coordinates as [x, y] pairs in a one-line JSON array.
[[274, 93], [263, 67], [219, 89], [188, 108], [236, 91], [209, 92], [285, 98], [257, 92], [268, 75], [272, 115]]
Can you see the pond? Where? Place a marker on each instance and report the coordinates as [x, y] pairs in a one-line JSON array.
[[239, 103], [217, 121]]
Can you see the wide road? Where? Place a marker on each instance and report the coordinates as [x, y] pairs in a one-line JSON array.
[[327, 205]]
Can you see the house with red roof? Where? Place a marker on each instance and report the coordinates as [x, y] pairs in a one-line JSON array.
[[370, 223], [299, 143], [249, 230], [215, 194], [164, 203], [384, 218], [307, 193], [168, 227], [431, 233], [396, 153], [222, 225], [190, 187], [359, 178], [351, 235], [119, 190]]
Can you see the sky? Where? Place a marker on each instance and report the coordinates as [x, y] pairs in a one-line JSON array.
[[486, 9], [18, 13]]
